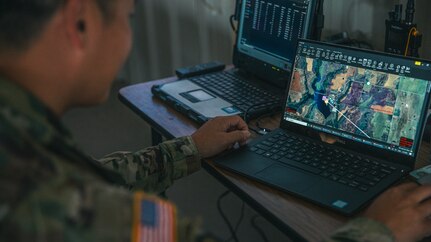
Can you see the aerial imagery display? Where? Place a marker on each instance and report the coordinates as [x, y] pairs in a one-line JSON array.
[[369, 103]]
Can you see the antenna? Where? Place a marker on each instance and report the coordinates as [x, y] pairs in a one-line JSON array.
[[410, 12]]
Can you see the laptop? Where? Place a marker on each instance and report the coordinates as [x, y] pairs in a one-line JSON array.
[[372, 105], [263, 56]]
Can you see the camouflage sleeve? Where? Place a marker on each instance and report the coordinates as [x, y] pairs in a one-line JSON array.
[[155, 168], [362, 230]]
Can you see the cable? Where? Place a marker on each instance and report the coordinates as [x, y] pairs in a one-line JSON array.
[[226, 220], [408, 40], [258, 123], [260, 130], [232, 24], [251, 107], [241, 217], [258, 229], [254, 130]]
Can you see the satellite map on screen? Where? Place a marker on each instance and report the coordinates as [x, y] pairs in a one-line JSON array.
[[364, 102]]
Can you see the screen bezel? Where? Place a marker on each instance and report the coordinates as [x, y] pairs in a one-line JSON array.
[[349, 144], [263, 70]]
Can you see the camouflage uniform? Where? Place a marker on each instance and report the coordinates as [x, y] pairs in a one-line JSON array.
[[51, 191], [362, 230]]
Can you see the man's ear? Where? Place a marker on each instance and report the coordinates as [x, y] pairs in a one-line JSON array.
[[74, 21]]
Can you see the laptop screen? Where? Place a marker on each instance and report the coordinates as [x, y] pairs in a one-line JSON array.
[[373, 98], [269, 29]]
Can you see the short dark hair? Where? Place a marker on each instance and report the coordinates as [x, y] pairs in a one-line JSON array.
[[22, 21]]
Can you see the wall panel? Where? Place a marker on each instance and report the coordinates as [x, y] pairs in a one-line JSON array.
[[175, 33]]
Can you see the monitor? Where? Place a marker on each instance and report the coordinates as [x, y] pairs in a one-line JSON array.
[[268, 34], [377, 99]]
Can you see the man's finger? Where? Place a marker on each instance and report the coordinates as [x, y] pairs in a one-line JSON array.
[[235, 123], [407, 187], [425, 208], [421, 193], [236, 136]]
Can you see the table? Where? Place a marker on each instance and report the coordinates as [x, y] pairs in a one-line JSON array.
[[300, 220]]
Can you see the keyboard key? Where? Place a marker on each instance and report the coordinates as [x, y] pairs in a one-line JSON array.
[[300, 166], [323, 167], [274, 150], [373, 178], [275, 157], [268, 154], [353, 184], [290, 156], [282, 154], [334, 177], [386, 171], [363, 188], [325, 174], [262, 147], [260, 152], [365, 181], [267, 143], [350, 176]]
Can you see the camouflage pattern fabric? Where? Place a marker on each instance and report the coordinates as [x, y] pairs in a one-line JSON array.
[[51, 191], [362, 230]]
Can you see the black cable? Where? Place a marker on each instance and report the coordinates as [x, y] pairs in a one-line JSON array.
[[232, 25], [258, 122], [241, 217], [251, 107], [260, 130], [258, 229], [226, 220], [254, 130]]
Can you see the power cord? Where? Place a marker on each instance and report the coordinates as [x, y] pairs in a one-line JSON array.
[[413, 31], [260, 130], [241, 217], [258, 229], [226, 220], [251, 107]]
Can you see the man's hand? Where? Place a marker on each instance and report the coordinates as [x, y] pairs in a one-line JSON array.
[[220, 134], [405, 210]]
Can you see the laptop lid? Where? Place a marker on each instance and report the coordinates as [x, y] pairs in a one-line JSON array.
[[267, 36], [373, 103]]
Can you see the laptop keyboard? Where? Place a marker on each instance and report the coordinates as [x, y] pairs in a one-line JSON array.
[[240, 93], [333, 164]]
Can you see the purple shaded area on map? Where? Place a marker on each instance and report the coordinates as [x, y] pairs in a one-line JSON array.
[[380, 96], [354, 96]]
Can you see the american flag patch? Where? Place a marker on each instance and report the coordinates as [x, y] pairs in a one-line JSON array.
[[154, 220]]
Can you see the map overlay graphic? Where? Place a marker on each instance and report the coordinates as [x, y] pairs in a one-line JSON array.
[[368, 103]]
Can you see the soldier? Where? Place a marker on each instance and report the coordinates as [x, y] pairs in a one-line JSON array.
[[56, 55]]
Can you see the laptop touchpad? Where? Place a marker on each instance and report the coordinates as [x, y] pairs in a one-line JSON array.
[[288, 178]]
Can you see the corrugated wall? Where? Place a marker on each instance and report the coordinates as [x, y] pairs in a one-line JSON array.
[[175, 33]]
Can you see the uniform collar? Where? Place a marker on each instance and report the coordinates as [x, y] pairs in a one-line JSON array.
[[26, 113], [33, 121]]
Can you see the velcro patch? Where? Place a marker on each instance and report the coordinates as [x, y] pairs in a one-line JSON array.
[[155, 220]]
